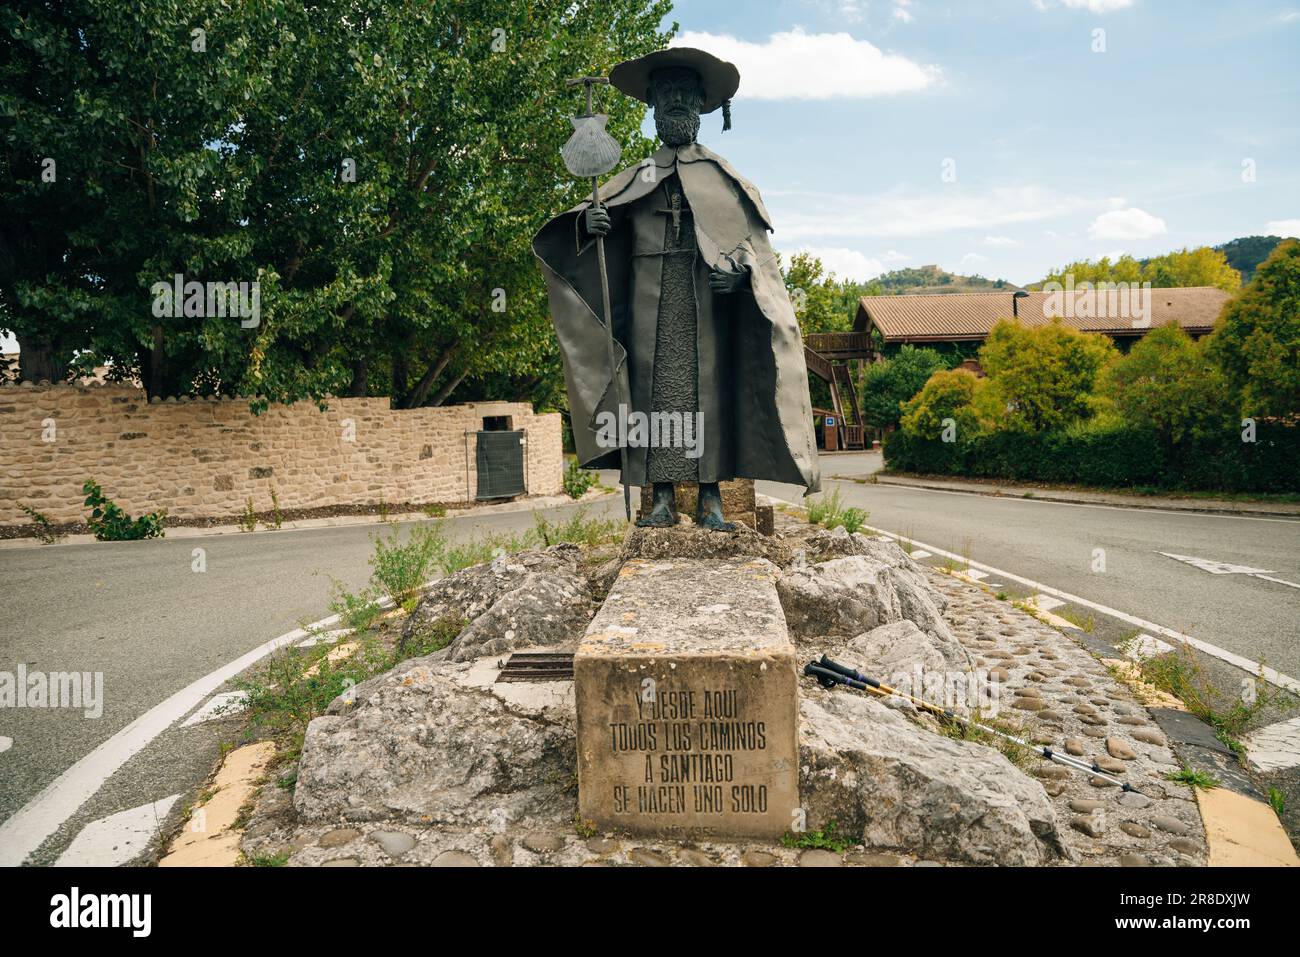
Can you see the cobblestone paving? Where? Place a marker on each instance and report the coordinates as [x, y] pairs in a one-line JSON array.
[[1064, 697]]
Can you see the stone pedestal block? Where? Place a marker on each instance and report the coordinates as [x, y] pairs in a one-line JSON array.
[[687, 711]]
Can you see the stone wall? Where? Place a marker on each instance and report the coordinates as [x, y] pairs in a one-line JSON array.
[[203, 458]]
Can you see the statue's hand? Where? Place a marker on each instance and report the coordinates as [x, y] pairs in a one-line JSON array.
[[725, 283], [595, 221]]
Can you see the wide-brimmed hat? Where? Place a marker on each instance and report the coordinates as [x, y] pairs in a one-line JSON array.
[[719, 78]]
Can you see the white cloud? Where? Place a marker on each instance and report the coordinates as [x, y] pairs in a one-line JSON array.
[[1131, 223], [901, 12], [814, 66], [1283, 227], [973, 259], [1000, 241], [843, 262], [810, 216], [894, 256], [1092, 6]]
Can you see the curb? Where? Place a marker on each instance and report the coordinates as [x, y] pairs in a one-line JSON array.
[[337, 521], [1102, 498], [211, 833]]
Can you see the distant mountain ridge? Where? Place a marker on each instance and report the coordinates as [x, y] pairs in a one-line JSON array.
[[931, 280], [1245, 254]]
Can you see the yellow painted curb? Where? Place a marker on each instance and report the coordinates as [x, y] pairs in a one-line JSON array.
[[336, 654], [210, 838], [1243, 832], [1131, 675]]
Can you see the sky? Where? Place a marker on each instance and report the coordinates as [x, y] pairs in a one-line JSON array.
[[1008, 137]]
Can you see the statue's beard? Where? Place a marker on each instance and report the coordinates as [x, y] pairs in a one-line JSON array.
[[677, 130]]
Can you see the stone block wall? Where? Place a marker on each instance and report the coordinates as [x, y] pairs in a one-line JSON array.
[[204, 458]]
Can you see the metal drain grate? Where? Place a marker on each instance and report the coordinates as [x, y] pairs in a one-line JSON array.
[[538, 666]]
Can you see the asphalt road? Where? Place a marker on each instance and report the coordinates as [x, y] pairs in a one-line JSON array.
[[139, 614], [1054, 543]]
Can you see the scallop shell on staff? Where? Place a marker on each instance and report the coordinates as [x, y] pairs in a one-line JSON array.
[[590, 151]]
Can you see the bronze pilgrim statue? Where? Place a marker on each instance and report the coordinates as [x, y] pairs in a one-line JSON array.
[[708, 381]]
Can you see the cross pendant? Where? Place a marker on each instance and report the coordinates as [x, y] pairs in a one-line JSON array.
[[676, 213]]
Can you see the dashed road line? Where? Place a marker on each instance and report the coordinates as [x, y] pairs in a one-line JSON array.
[[218, 706], [920, 553], [1275, 747], [5, 743], [1147, 646], [1045, 602], [112, 841]]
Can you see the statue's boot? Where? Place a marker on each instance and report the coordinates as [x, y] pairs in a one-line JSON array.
[[708, 509], [663, 510]]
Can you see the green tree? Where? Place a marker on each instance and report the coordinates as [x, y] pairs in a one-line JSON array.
[[1167, 383], [888, 384], [1203, 266], [1045, 375], [948, 394], [1256, 341], [378, 166]]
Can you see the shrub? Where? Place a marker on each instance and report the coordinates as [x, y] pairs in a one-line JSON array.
[[399, 569], [888, 385], [950, 394], [1166, 383], [110, 523], [578, 480], [1045, 375], [1111, 455]]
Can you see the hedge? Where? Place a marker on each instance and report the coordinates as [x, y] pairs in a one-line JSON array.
[[1112, 458]]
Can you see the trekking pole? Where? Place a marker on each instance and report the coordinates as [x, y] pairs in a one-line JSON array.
[[831, 673]]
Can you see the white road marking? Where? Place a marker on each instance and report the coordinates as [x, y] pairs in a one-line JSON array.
[[1186, 513], [976, 574], [325, 637], [5, 743], [920, 553], [45, 813], [1276, 747], [1227, 568], [1280, 581], [1148, 646], [1045, 602], [218, 706], [112, 841], [1252, 667], [1215, 567]]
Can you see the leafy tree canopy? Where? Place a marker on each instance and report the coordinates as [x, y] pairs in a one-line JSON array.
[[1256, 341]]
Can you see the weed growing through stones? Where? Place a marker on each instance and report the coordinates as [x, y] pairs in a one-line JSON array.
[[248, 521], [825, 839], [43, 528], [110, 523], [1181, 674], [1197, 779], [579, 529], [356, 612], [829, 511], [277, 519], [1017, 754], [435, 510], [1086, 623], [1277, 801]]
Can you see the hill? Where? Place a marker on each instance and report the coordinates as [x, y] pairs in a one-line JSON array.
[[1246, 253], [929, 280]]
